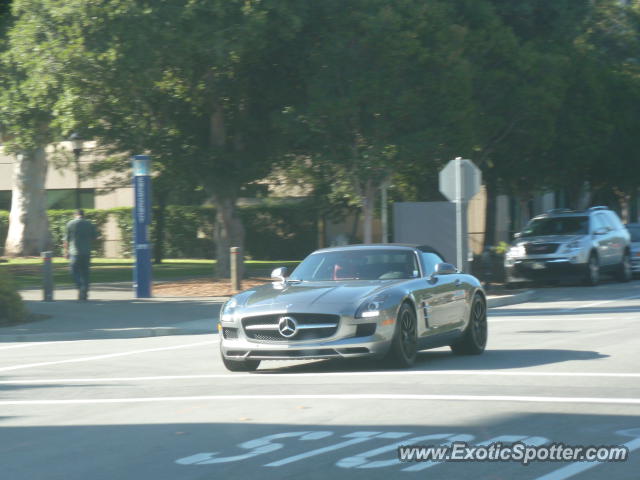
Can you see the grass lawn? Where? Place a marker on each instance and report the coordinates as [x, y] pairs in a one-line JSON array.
[[27, 272]]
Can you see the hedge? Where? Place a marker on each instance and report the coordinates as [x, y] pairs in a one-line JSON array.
[[280, 232], [188, 231], [58, 220], [272, 231], [11, 306], [57, 223]]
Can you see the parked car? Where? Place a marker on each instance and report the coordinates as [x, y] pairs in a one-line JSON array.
[[567, 243], [634, 231], [386, 300]]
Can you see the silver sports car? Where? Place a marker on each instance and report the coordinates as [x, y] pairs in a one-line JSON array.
[[383, 300]]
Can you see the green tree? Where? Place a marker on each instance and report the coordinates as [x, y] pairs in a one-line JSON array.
[[193, 83], [381, 80], [27, 94]]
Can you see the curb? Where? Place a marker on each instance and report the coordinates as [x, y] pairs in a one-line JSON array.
[[511, 299]]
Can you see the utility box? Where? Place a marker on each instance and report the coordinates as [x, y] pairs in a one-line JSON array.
[[430, 223]]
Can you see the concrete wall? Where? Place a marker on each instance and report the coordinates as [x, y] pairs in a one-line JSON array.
[[63, 176]]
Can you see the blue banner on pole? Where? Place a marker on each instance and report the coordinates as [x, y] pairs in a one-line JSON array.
[[141, 221]]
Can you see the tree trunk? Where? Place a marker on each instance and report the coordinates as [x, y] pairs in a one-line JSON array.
[[490, 215], [624, 200], [229, 232], [525, 212], [28, 233], [368, 200]]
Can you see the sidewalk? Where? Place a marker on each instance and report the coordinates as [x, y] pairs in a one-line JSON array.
[[112, 312]]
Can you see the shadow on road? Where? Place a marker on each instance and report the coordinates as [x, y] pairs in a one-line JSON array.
[[295, 449], [445, 360]]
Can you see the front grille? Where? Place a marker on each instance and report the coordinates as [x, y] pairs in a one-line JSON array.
[[540, 248], [310, 326], [230, 333]]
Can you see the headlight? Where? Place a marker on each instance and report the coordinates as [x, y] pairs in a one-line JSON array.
[[516, 251], [371, 308], [571, 245], [227, 310]]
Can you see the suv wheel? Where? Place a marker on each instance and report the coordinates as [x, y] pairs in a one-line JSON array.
[[593, 270], [624, 270]]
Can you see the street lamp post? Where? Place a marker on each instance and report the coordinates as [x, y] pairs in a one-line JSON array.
[[77, 143]]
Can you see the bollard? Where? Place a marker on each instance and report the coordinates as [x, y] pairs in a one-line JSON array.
[[235, 269], [47, 277]]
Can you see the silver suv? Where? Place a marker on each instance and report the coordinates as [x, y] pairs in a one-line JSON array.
[[564, 242]]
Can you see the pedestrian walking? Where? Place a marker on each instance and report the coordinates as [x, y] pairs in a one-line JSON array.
[[80, 233]]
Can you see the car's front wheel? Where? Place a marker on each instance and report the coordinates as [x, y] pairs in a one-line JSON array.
[[593, 271], [624, 269], [404, 346], [240, 365], [474, 338]]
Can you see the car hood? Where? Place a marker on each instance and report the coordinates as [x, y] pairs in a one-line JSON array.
[[549, 239], [314, 293]]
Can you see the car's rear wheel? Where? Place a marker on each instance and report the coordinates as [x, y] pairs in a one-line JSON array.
[[240, 365], [593, 270], [474, 338], [404, 346], [624, 270]]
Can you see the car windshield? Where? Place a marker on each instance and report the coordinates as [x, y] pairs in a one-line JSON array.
[[557, 226], [634, 230], [365, 264]]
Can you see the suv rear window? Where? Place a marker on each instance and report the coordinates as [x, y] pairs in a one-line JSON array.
[[557, 226]]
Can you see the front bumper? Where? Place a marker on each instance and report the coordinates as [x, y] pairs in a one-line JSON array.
[[352, 338], [543, 268]]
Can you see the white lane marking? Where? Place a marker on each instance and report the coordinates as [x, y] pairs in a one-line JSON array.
[[601, 302], [578, 467], [24, 345], [356, 437], [108, 355], [283, 376], [365, 396]]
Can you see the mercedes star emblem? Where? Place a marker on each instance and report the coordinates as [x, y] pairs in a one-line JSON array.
[[287, 326]]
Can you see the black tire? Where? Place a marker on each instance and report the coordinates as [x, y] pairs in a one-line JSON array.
[[404, 346], [624, 273], [240, 365], [592, 277], [474, 338]]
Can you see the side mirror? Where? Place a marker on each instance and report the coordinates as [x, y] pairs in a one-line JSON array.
[[445, 269], [601, 231], [280, 274], [517, 235]]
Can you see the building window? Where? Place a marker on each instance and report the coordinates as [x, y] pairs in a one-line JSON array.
[[60, 199], [65, 199], [5, 200]]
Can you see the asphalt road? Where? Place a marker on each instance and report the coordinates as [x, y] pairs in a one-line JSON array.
[[562, 369]]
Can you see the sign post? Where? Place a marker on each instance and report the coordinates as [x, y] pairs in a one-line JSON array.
[[141, 221], [460, 180]]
